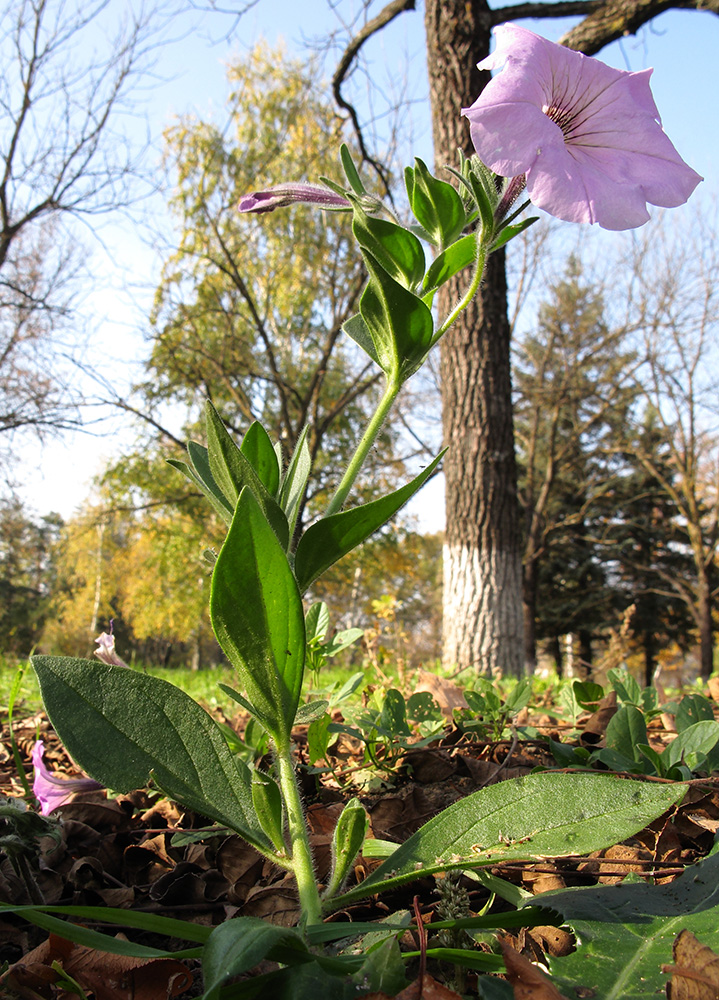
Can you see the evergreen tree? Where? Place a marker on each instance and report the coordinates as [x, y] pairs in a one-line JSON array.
[[573, 394]]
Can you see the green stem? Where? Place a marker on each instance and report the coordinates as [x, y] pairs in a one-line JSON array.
[[299, 840], [363, 448], [479, 262]]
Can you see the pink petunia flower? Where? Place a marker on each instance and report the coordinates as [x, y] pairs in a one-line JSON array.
[[289, 194], [587, 138], [51, 791]]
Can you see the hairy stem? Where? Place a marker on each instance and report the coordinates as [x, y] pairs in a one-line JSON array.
[[363, 448], [299, 840]]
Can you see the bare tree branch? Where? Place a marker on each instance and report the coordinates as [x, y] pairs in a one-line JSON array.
[[387, 14]]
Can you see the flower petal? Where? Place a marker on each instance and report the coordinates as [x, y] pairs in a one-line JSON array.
[[587, 136]]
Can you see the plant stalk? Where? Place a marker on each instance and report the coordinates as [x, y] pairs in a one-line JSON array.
[[479, 262], [299, 840], [364, 447]]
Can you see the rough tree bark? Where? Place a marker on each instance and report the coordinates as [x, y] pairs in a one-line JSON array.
[[482, 552]]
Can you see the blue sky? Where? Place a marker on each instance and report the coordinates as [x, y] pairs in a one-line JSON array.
[[190, 77]]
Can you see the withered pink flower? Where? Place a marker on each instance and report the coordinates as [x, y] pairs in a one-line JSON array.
[[289, 194], [51, 791], [106, 650], [587, 138]]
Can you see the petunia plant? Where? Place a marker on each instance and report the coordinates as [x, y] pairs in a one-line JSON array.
[[586, 143]]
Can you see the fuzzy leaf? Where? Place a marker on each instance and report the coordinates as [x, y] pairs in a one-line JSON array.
[[257, 615], [330, 538], [540, 816], [125, 728]]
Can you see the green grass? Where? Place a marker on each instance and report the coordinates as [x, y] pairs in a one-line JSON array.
[[202, 685]]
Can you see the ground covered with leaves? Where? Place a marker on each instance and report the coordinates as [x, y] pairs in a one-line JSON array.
[[654, 927]]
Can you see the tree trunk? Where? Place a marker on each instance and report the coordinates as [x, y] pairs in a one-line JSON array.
[[530, 574], [482, 556], [706, 627]]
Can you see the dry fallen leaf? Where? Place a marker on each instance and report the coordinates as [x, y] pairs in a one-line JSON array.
[[429, 987], [695, 973], [528, 982], [105, 976]]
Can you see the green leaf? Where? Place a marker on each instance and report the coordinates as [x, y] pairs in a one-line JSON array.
[[519, 697], [317, 621], [693, 708], [399, 322], [626, 728], [435, 204], [233, 472], [295, 480], [330, 538], [356, 328], [351, 171], [318, 738], [240, 944], [383, 970], [347, 839], [628, 690], [203, 479], [342, 640], [701, 738], [394, 714], [509, 232], [260, 453], [311, 711], [257, 615], [450, 262], [126, 728], [588, 694], [267, 800], [396, 250], [539, 816], [625, 932], [95, 939]]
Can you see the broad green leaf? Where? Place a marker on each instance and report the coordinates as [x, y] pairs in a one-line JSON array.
[[519, 697], [342, 640], [450, 262], [330, 538], [701, 738], [233, 472], [257, 615], [539, 816], [588, 694], [626, 728], [237, 945], [625, 932], [356, 328], [397, 251], [125, 729], [260, 453], [394, 714], [295, 479], [317, 621], [693, 708], [400, 323], [628, 690], [311, 711], [318, 738], [435, 204]]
